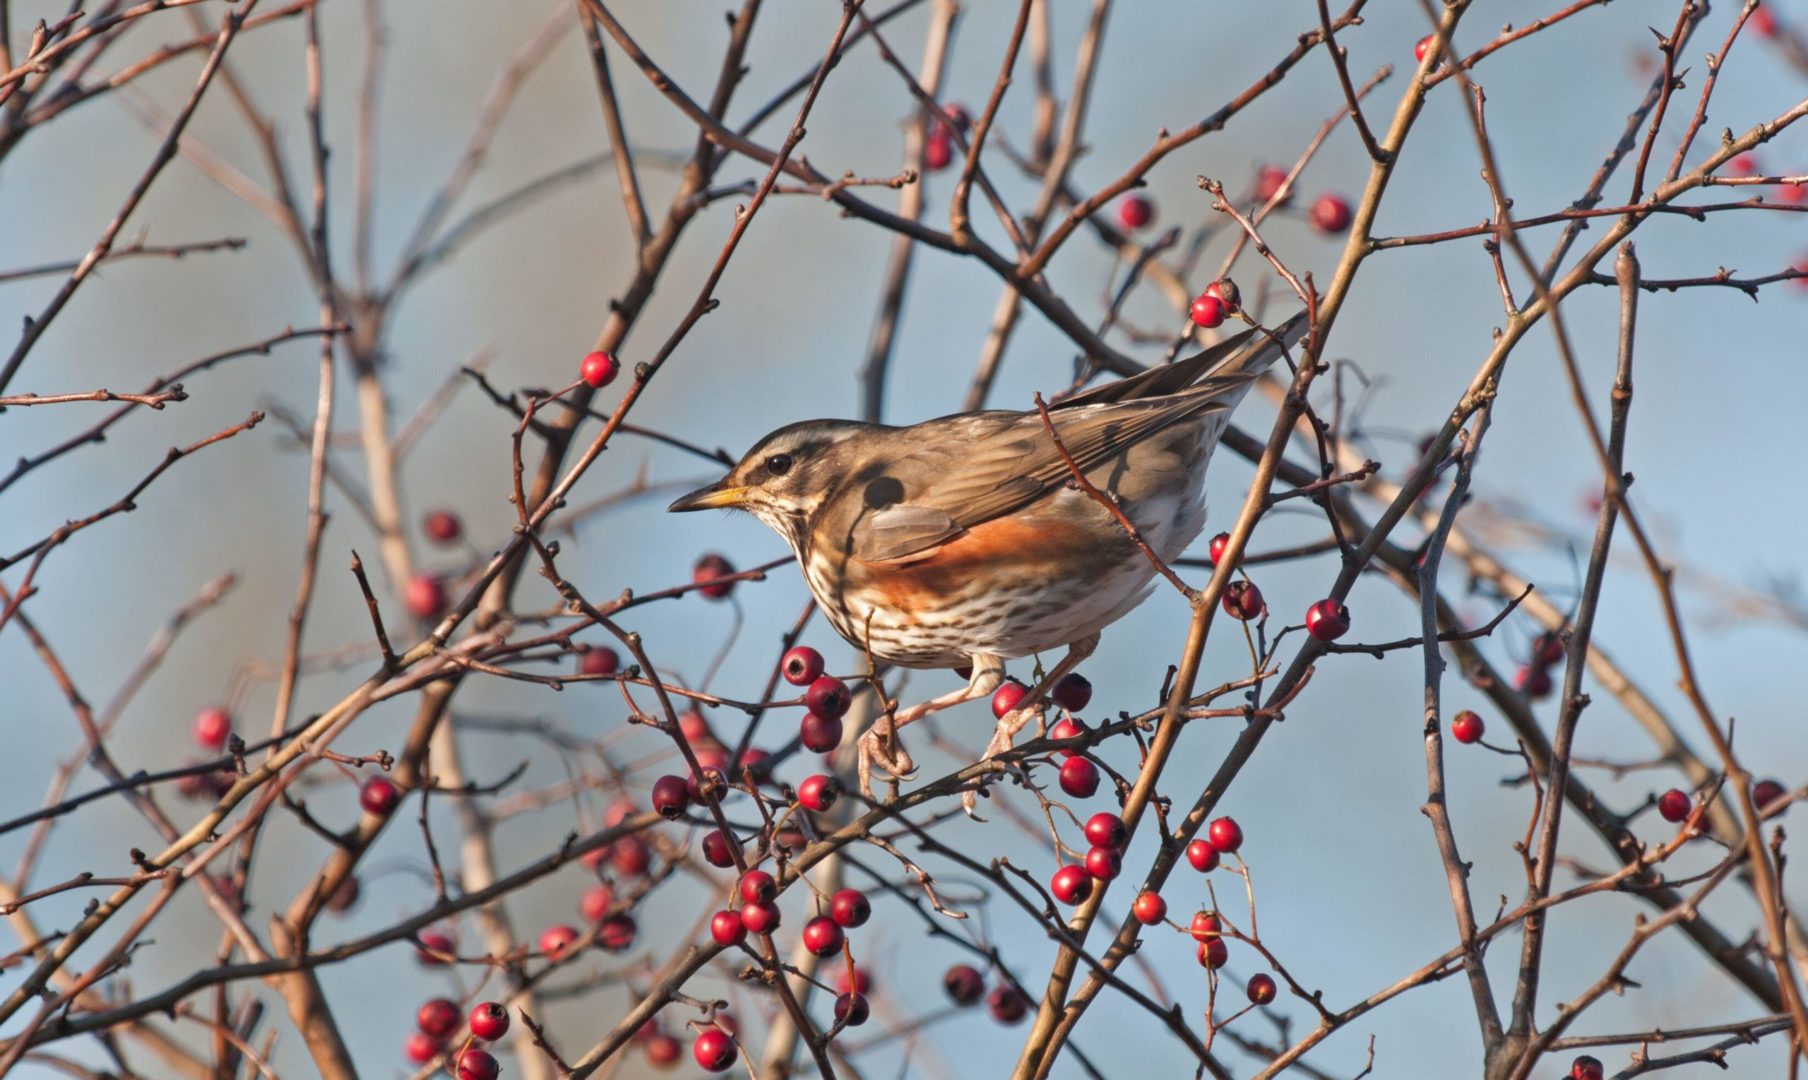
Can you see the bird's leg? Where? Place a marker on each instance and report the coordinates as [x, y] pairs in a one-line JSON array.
[[1012, 722], [880, 743]]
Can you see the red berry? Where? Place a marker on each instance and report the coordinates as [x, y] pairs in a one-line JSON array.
[[1007, 697], [1791, 194], [822, 936], [620, 809], [1216, 551], [718, 849], [378, 796], [828, 697], [714, 1050], [1135, 211], [1207, 311], [596, 901], [801, 666], [424, 596], [475, 1064], [964, 984], [1205, 926], [1765, 792], [489, 1021], [421, 1048], [1202, 855], [1079, 777], [435, 946], [599, 369], [1269, 179], [938, 151], [1242, 600], [1327, 620], [1149, 908], [1067, 728], [1587, 1067], [598, 660], [1106, 831], [671, 795], [1674, 805], [694, 728], [790, 838], [1007, 1005], [1425, 45], [1261, 989], [754, 760], [760, 918], [555, 941], [708, 570], [437, 1018], [1547, 649], [861, 983], [1533, 681], [1073, 692], [958, 117], [1745, 164], [663, 1051], [819, 733], [1225, 834], [443, 527], [1213, 953], [1104, 863], [727, 928], [212, 727], [1331, 214], [1071, 884], [851, 1010], [712, 763], [849, 907], [758, 886], [617, 933], [1225, 290], [818, 792], [631, 856], [1763, 23], [1467, 727]]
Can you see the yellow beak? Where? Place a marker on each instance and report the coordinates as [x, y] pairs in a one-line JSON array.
[[717, 496]]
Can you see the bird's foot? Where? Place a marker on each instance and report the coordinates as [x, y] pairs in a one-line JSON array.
[[880, 746], [1003, 736]]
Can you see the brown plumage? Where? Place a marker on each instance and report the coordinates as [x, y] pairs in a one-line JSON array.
[[963, 541]]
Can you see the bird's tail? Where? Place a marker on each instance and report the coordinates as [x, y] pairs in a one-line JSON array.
[[1228, 368]]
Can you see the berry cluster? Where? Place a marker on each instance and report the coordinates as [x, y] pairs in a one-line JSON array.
[[824, 936], [437, 1023]]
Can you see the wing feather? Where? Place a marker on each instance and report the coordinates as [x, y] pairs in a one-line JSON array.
[[979, 466]]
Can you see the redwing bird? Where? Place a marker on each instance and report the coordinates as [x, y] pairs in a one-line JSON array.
[[963, 541]]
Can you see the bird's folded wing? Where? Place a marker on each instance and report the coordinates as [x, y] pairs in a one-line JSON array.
[[980, 466], [1012, 465]]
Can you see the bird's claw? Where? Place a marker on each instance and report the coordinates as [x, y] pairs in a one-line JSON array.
[[1002, 738], [1006, 732], [881, 747]]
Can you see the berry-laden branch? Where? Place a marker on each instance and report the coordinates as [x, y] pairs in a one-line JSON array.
[[725, 921]]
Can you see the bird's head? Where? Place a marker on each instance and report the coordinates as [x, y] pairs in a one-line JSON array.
[[785, 476]]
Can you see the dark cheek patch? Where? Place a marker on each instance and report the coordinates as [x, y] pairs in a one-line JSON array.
[[884, 491]]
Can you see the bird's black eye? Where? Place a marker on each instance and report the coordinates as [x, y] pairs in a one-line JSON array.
[[778, 464]]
